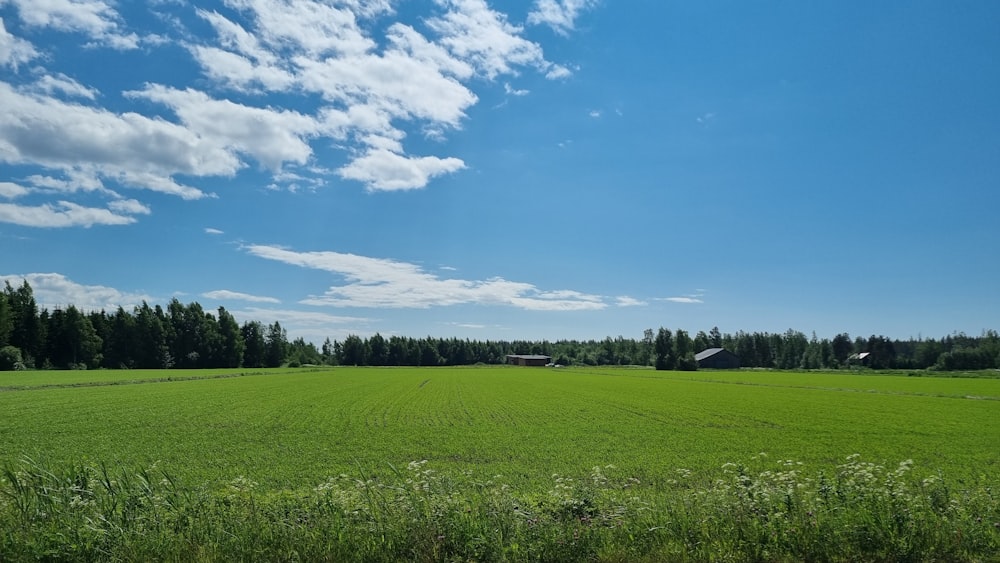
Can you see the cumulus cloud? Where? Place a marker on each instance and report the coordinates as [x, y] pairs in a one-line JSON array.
[[475, 33], [137, 150], [381, 169], [560, 15], [10, 190], [93, 18], [225, 294], [271, 136], [129, 206], [304, 46], [384, 283], [54, 290], [360, 83]]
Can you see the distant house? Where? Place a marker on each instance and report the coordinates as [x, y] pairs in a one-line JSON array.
[[861, 358], [528, 360], [717, 358]]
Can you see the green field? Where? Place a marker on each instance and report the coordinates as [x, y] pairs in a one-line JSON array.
[[288, 431], [294, 429]]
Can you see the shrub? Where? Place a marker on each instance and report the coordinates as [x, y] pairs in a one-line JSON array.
[[10, 359]]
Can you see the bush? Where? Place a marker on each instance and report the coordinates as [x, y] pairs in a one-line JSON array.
[[687, 363], [10, 359]]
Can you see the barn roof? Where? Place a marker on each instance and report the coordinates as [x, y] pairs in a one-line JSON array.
[[530, 356], [708, 353]]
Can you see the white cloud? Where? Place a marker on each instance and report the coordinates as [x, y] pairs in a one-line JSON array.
[[594, 113], [469, 325], [682, 299], [383, 283], [311, 318], [129, 206], [212, 231], [62, 214], [52, 83], [560, 15], [626, 301], [225, 294], [310, 325], [56, 290], [381, 169], [137, 150], [14, 50], [75, 180], [361, 89], [511, 91], [475, 33], [271, 136], [10, 190], [310, 47], [557, 72], [94, 18]]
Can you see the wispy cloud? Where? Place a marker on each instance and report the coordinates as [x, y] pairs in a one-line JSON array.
[[50, 84], [211, 231], [690, 298], [385, 283], [300, 318], [626, 301], [474, 326], [226, 295], [560, 15], [511, 91], [313, 326], [683, 299], [68, 214]]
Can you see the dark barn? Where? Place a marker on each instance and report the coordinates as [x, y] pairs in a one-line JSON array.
[[528, 360], [717, 358]]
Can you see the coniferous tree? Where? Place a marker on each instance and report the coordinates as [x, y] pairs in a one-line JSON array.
[[664, 350], [231, 340], [255, 347], [275, 346]]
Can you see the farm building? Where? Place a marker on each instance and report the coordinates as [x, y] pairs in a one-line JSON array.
[[528, 360], [717, 358]]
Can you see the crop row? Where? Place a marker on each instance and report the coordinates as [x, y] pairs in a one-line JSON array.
[[283, 430]]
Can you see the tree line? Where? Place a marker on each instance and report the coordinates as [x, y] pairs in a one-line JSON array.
[[187, 336]]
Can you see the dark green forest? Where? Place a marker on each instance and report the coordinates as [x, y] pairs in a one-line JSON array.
[[187, 336]]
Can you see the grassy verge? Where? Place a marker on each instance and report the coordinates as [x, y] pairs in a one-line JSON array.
[[758, 511]]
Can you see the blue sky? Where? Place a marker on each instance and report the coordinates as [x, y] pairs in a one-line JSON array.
[[524, 169]]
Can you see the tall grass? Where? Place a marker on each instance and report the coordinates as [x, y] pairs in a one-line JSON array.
[[758, 511]]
